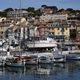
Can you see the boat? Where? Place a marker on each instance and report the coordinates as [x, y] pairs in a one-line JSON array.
[[21, 60], [58, 56], [43, 48], [5, 55], [74, 56], [32, 60], [45, 60], [41, 42], [16, 61], [2, 61], [71, 52]]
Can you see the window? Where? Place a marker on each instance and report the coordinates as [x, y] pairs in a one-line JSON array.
[[66, 28], [1, 28], [57, 28], [49, 28], [1, 32]]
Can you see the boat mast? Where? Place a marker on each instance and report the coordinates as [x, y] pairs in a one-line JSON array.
[[20, 24], [20, 5]]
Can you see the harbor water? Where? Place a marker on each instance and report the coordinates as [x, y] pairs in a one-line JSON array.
[[56, 71]]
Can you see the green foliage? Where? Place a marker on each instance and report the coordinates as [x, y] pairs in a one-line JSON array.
[[60, 10], [38, 12], [31, 9], [3, 14], [32, 12], [69, 9], [8, 9]]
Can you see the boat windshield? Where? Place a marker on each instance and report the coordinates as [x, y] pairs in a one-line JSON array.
[[40, 50], [38, 38]]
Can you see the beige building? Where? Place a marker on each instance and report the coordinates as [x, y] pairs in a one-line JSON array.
[[53, 17], [17, 13], [3, 28], [48, 9]]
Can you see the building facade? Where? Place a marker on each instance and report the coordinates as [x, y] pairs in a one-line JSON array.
[[52, 17], [48, 9], [17, 13], [59, 31], [3, 28]]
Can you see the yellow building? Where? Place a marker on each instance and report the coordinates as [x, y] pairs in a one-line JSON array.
[[58, 30]]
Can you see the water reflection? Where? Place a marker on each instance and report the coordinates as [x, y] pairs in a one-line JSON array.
[[37, 69], [57, 71]]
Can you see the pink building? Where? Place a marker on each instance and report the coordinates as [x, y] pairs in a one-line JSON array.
[[42, 29]]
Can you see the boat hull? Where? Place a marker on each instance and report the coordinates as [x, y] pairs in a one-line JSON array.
[[74, 57], [60, 61], [15, 65], [31, 63], [45, 60]]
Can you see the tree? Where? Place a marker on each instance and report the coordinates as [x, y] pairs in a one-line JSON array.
[[3, 14], [55, 8], [60, 10], [69, 9], [8, 9], [31, 9], [38, 12], [43, 6]]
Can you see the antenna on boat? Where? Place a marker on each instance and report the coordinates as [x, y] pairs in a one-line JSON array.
[[20, 5], [20, 24]]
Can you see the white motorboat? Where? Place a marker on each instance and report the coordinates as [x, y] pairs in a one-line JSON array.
[[3, 58], [73, 56], [71, 52], [42, 47], [58, 56], [45, 60]]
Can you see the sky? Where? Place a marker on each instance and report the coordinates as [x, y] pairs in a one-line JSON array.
[[75, 4]]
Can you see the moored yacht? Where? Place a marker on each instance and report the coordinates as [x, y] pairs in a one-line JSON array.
[[42, 42], [43, 48], [58, 56], [15, 62], [73, 56], [45, 60], [71, 52]]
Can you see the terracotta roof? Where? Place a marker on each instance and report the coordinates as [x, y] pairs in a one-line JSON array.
[[11, 19]]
